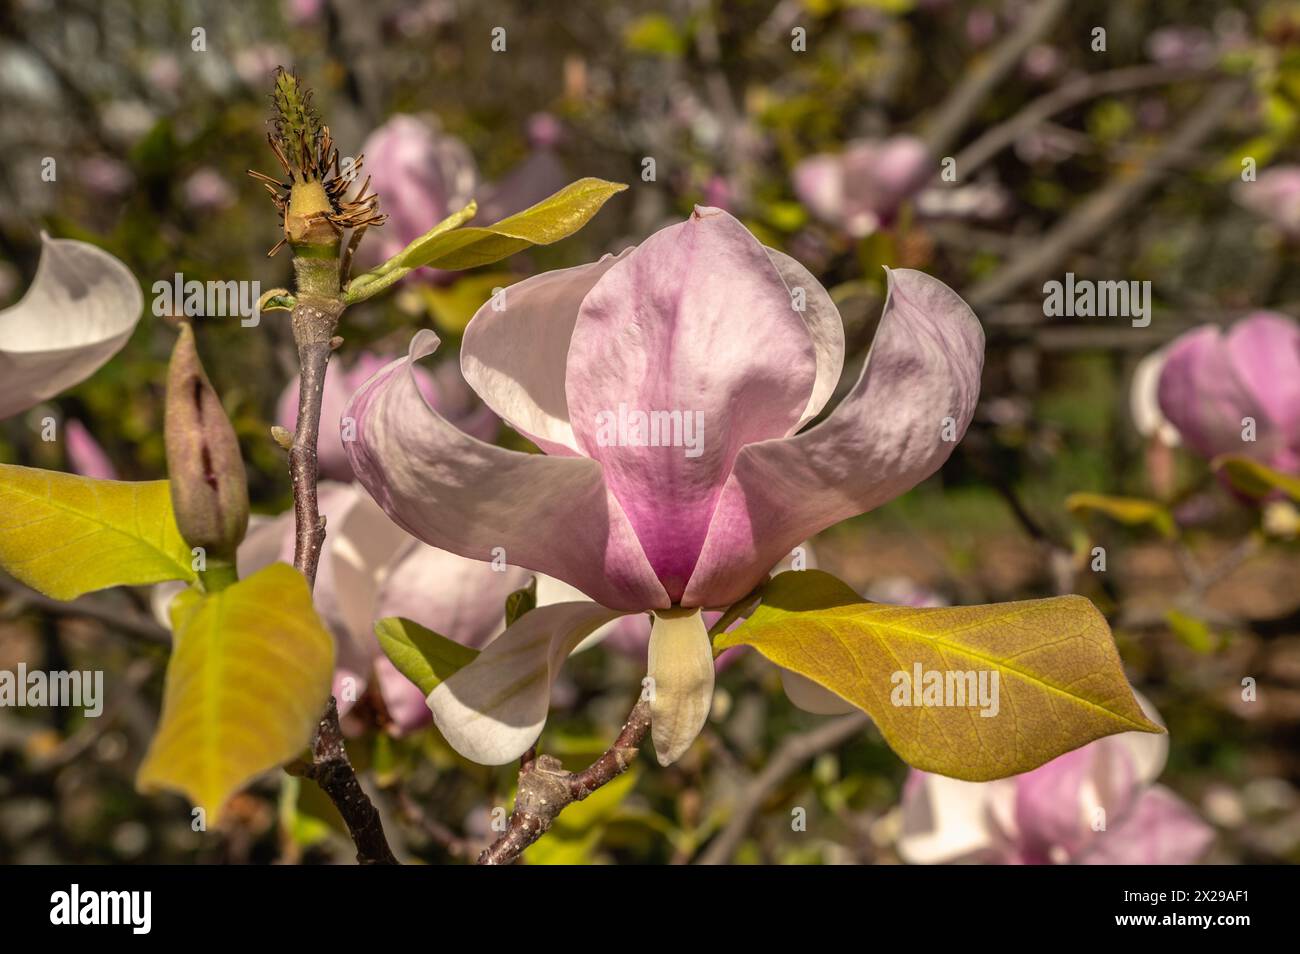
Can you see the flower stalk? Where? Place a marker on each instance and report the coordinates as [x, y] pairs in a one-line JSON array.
[[315, 212]]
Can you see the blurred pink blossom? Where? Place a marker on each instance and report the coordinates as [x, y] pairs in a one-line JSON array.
[[1096, 805], [206, 190], [85, 455], [104, 177], [1275, 195], [443, 387], [1216, 388], [860, 189], [422, 176]]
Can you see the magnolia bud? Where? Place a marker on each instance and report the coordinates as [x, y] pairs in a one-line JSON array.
[[208, 485]]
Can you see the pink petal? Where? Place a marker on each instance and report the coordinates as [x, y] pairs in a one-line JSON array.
[[85, 454], [1161, 829], [550, 514], [331, 458], [695, 321], [1265, 349], [461, 599], [825, 328], [515, 357], [402, 698], [883, 439], [1202, 395], [819, 184]]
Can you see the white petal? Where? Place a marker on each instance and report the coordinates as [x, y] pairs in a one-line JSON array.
[[813, 697], [681, 669], [78, 313], [494, 709]]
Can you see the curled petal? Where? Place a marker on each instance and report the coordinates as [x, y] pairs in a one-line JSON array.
[[897, 426], [494, 709], [78, 313], [515, 349], [681, 672], [825, 328], [686, 350], [550, 514]]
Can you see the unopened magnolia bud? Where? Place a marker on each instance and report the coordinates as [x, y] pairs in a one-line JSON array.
[[208, 485]]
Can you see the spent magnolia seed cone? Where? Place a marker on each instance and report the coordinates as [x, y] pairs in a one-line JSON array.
[[209, 488]]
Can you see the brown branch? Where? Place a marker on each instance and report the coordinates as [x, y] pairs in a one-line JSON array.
[[331, 770], [994, 140], [793, 752], [446, 839], [87, 607], [546, 789], [1101, 209], [971, 90]]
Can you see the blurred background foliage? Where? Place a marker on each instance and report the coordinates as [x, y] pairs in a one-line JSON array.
[[152, 139]]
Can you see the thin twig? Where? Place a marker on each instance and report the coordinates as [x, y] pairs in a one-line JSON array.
[[333, 772], [87, 607], [969, 93], [997, 138], [1101, 209], [546, 789], [793, 752]]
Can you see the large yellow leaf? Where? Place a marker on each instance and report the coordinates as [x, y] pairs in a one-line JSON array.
[[66, 535], [249, 677], [1060, 683]]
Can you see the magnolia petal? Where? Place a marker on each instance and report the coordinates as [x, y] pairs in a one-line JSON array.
[[825, 328], [402, 698], [79, 311], [550, 514], [947, 819], [360, 544], [811, 697], [680, 669], [1265, 349], [464, 600], [1202, 395], [515, 349], [1144, 404], [695, 322], [1161, 829], [918, 388], [493, 710]]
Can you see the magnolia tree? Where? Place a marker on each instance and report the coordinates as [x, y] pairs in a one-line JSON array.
[[678, 393]]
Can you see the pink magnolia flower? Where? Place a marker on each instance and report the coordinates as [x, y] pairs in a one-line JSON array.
[[538, 176], [860, 189], [85, 455], [423, 175], [443, 387], [1275, 195], [1095, 805], [207, 190], [79, 311], [668, 387], [371, 569], [1214, 385]]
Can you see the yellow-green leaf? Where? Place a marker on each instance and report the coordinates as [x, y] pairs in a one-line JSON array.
[[1133, 511], [66, 535], [248, 679], [550, 220], [1058, 676], [1253, 478], [420, 654]]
